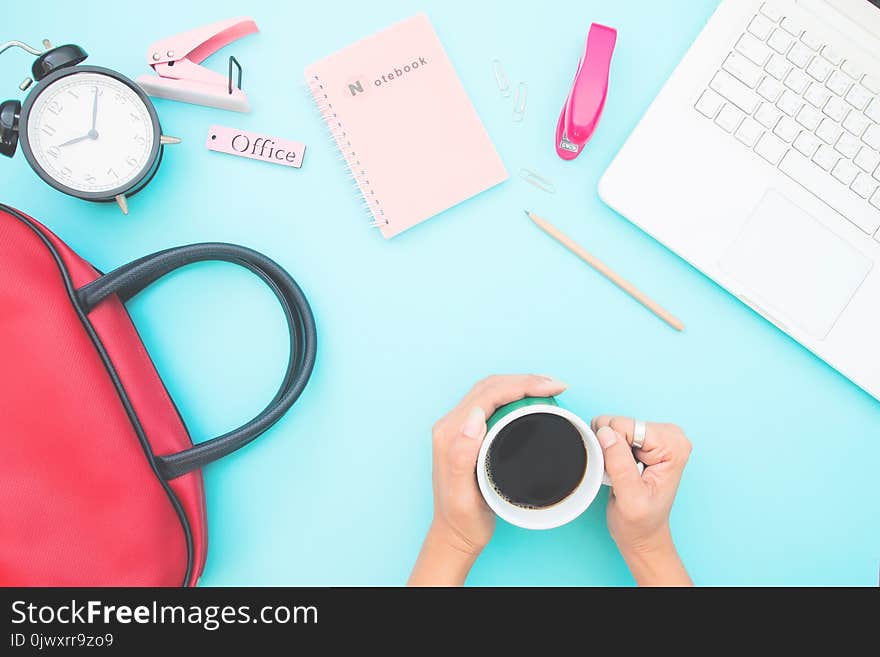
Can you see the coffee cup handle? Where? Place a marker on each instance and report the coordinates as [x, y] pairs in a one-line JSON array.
[[606, 480]]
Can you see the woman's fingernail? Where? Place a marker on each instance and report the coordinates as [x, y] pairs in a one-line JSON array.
[[607, 437], [556, 383], [473, 425]]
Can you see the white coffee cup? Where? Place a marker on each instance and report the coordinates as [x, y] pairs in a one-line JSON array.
[[566, 509]]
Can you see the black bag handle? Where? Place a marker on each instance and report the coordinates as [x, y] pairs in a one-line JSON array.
[[128, 280]]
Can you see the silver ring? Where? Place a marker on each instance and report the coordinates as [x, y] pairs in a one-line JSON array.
[[639, 432]]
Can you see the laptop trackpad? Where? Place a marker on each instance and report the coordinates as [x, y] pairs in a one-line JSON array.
[[793, 267]]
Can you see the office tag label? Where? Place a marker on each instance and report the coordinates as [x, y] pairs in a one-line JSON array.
[[255, 146]]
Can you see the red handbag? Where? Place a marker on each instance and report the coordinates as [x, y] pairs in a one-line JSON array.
[[100, 484]]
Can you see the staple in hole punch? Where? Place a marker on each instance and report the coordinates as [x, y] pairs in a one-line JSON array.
[[179, 75], [585, 102]]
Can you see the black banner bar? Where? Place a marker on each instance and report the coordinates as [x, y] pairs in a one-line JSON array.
[[133, 621]]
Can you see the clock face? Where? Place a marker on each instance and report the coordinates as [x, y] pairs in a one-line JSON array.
[[91, 133]]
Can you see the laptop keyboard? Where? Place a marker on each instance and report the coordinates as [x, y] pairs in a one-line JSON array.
[[804, 106]]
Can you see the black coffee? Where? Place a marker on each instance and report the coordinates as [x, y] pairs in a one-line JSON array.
[[537, 460]]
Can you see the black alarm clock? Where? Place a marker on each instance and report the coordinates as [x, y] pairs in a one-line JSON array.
[[87, 131]]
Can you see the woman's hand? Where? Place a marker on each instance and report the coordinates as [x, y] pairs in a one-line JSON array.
[[463, 523], [639, 505]]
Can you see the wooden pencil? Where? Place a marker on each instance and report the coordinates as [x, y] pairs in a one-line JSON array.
[[606, 271]]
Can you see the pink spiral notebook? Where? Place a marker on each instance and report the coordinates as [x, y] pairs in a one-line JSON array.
[[404, 124]]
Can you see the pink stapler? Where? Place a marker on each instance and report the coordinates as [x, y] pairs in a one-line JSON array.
[[179, 77], [585, 103]]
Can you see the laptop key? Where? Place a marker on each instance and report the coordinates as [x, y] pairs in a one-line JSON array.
[[845, 172], [832, 55], [828, 131], [872, 83], [839, 83], [836, 109], [819, 69], [709, 103], [750, 47], [872, 137], [872, 111], [792, 26], [800, 55], [852, 69], [855, 123], [817, 95], [864, 186], [744, 70], [770, 89], [771, 148], [797, 81], [867, 160], [813, 42], [807, 144], [777, 66], [749, 132], [858, 97], [767, 115], [786, 129], [771, 11], [780, 41], [761, 27], [847, 145], [809, 117], [826, 157], [875, 201], [839, 198], [734, 91], [790, 103], [729, 118]]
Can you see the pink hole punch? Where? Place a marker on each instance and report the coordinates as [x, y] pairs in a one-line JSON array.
[[585, 103], [176, 61]]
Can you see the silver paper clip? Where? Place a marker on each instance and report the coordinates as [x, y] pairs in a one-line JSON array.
[[537, 181], [501, 78], [519, 102]]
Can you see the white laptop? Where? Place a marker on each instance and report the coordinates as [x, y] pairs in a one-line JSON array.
[[759, 163]]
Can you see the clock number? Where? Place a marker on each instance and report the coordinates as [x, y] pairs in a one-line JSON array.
[[134, 117], [54, 152], [140, 139], [90, 179], [131, 161], [111, 172], [120, 97], [49, 130], [54, 107], [66, 171], [73, 93]]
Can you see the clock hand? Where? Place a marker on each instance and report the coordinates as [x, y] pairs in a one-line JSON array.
[[75, 141], [91, 134], [95, 111]]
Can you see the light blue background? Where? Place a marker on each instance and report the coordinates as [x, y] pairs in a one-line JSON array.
[[781, 487]]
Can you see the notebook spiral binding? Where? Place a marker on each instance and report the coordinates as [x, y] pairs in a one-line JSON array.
[[347, 153]]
